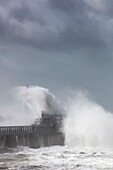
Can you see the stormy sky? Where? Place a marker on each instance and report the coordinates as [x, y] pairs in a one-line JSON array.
[[57, 44]]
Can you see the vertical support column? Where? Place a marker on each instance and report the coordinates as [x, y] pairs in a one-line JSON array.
[[10, 141]]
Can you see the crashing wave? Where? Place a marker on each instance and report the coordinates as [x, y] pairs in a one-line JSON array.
[[36, 99]]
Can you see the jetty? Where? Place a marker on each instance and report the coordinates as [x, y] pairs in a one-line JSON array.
[[46, 131]]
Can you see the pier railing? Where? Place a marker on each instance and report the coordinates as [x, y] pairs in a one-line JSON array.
[[4, 130]]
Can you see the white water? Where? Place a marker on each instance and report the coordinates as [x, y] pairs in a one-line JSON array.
[[87, 123], [37, 99], [56, 158], [27, 105]]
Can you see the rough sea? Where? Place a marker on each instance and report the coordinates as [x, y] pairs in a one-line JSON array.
[[56, 158]]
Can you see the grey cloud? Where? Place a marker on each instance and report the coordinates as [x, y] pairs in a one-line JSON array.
[[103, 7], [22, 13], [64, 5], [52, 25]]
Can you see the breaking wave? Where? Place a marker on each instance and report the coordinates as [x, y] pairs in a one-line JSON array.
[[28, 104], [87, 123]]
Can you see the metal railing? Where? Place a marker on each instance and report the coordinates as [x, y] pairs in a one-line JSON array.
[[15, 129], [4, 130]]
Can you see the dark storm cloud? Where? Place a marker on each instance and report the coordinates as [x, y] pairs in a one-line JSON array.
[[85, 23], [22, 13], [52, 24], [64, 5]]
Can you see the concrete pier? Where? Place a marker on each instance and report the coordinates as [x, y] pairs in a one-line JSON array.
[[45, 132], [31, 136]]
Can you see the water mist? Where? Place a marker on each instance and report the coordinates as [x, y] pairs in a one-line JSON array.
[[26, 104], [87, 123]]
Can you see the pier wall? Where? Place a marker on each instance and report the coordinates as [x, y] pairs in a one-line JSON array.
[[33, 137]]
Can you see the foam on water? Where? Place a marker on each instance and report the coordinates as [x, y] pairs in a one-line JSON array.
[[57, 158]]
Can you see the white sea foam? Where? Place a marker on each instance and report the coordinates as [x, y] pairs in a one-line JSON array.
[[57, 158]]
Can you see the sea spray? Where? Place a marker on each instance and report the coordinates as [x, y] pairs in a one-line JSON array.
[[87, 123], [27, 104], [36, 99], [33, 99]]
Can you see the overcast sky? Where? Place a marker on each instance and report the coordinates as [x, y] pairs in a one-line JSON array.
[[57, 44]]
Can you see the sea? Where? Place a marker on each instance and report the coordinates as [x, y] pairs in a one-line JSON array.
[[56, 158]]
